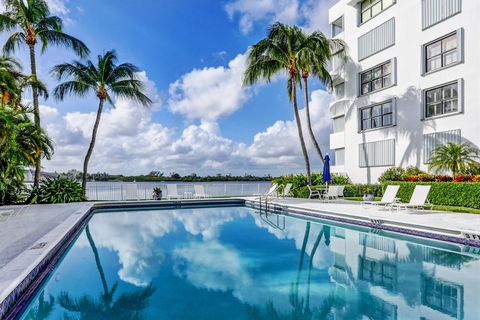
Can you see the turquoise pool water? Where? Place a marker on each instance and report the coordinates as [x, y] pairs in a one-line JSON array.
[[233, 263]]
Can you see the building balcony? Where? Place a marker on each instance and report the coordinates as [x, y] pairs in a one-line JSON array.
[[338, 108], [337, 140]]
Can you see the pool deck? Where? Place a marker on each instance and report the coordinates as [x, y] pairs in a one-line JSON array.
[[34, 235]]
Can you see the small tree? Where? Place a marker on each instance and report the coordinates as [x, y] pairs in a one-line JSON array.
[[455, 158]]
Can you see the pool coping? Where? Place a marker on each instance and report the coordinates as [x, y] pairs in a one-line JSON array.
[[44, 255], [42, 259], [451, 235]]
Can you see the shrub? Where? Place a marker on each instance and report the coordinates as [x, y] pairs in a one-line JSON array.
[[391, 174], [59, 190], [464, 194], [299, 182], [358, 190]]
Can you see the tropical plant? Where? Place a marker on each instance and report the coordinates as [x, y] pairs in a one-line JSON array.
[[21, 144], [455, 158], [105, 79], [279, 53], [59, 190], [30, 22], [316, 50]]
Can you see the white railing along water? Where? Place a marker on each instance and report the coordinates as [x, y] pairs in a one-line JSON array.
[[117, 191]]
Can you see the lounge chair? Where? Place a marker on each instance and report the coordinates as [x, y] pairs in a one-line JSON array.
[[131, 192], [331, 194], [419, 199], [269, 193], [200, 191], [286, 190], [340, 190], [172, 192], [388, 198], [314, 193]]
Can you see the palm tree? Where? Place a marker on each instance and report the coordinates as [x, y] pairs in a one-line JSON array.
[[277, 53], [455, 158], [31, 22], [316, 51], [106, 79]]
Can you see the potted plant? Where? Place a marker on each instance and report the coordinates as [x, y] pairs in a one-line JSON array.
[[157, 193], [368, 194]]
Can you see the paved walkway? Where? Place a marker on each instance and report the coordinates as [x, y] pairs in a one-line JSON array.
[[20, 231], [457, 222]]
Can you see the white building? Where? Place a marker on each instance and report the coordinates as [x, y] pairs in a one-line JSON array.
[[411, 82]]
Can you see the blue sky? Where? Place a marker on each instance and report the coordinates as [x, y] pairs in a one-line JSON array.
[[192, 55]]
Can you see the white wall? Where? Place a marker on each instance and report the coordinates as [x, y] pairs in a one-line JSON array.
[[409, 130]]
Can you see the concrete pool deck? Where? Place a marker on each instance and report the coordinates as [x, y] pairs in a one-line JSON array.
[[33, 238]]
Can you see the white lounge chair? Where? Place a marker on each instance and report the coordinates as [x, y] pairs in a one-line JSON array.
[[419, 199], [286, 190], [340, 190], [388, 198], [200, 191], [314, 193], [331, 194], [269, 193], [131, 192], [172, 192]]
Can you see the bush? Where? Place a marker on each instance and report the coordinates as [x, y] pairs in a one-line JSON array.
[[59, 190], [299, 182], [392, 174], [464, 194]]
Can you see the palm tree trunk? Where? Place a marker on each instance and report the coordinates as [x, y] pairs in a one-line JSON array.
[[309, 121], [36, 110], [97, 260], [300, 131], [92, 145]]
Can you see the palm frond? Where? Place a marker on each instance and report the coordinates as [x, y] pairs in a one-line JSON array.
[[62, 39]]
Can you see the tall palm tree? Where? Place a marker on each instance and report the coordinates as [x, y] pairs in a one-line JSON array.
[[455, 158], [278, 53], [31, 22], [316, 51], [105, 79]]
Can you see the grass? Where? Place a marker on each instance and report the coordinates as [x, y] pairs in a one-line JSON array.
[[438, 208]]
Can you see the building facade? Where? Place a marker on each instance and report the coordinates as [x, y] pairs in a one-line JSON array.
[[410, 82]]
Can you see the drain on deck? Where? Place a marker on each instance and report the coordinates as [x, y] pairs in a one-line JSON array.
[[39, 245]]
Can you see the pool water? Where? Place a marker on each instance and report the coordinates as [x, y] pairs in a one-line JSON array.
[[233, 263]]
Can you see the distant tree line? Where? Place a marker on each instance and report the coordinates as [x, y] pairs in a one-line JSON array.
[[157, 176]]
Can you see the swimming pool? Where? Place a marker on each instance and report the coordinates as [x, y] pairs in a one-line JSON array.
[[234, 263]]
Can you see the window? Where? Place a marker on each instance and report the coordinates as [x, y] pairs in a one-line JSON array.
[[442, 52], [377, 116], [442, 296], [441, 100], [337, 27], [371, 8], [339, 124], [378, 273], [340, 157], [339, 90], [376, 78], [377, 154], [432, 141]]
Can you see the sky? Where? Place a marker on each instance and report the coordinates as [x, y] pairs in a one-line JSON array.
[[192, 57]]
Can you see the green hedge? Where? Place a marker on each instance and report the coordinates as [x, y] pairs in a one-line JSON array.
[[464, 194]]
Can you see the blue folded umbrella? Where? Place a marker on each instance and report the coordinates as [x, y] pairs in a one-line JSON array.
[[326, 170]]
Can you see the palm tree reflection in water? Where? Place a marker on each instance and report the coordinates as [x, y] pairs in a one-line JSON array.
[[126, 306]]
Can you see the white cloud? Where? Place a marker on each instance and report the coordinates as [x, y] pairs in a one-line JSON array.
[[311, 14], [57, 7], [130, 141], [210, 93]]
